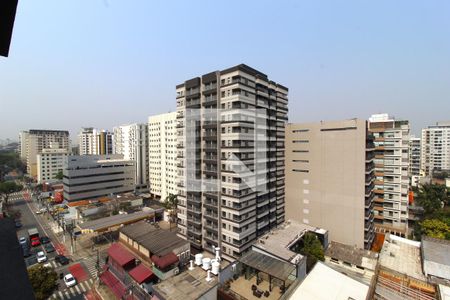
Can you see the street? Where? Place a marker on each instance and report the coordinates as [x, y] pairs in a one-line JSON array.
[[83, 269]]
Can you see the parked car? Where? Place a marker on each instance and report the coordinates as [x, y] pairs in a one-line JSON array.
[[35, 242], [23, 240], [18, 224], [26, 250], [69, 280], [62, 259], [49, 248], [45, 240], [41, 257], [38, 212]]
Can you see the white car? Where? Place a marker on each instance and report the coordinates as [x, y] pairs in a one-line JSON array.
[[23, 241], [41, 257], [69, 280]]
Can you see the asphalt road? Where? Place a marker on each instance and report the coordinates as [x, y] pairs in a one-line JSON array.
[[30, 219]]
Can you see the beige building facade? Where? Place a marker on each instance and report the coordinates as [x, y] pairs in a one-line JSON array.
[[329, 179]]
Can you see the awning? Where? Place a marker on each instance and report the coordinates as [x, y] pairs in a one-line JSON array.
[[117, 287], [267, 264], [163, 262], [120, 255], [141, 273]]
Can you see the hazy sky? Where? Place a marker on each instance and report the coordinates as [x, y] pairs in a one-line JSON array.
[[103, 63]]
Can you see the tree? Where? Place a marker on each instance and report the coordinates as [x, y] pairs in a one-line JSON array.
[[59, 175], [431, 197], [435, 228], [7, 188], [171, 204], [43, 280], [312, 249]]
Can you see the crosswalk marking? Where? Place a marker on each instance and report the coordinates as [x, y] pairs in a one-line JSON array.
[[80, 288], [91, 263]]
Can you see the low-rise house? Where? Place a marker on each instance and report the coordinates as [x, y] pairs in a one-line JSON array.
[[357, 263], [163, 248]]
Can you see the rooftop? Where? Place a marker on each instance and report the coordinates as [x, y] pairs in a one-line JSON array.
[[191, 284], [402, 255], [436, 257], [268, 264], [353, 255], [325, 283], [279, 240], [117, 220], [158, 241]]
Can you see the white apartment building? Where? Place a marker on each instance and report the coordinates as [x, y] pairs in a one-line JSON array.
[[92, 141], [414, 160], [162, 154], [33, 141], [93, 176], [436, 148], [132, 142], [50, 163], [391, 172]]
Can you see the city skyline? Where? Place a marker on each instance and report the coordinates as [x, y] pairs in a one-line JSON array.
[[340, 61]]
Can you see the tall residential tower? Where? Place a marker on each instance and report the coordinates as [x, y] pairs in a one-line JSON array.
[[436, 148], [162, 153], [95, 142], [230, 127], [391, 171], [132, 142]]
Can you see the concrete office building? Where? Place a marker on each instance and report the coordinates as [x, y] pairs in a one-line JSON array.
[[391, 171], [95, 142], [414, 160], [162, 154], [230, 158], [436, 148], [132, 142], [33, 141], [329, 179], [93, 176], [50, 163]]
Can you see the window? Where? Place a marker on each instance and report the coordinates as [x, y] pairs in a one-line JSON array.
[[300, 170], [300, 141], [300, 151], [300, 130]]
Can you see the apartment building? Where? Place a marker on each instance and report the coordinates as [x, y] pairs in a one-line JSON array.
[[391, 171], [436, 148], [132, 142], [330, 179], [414, 160], [50, 162], [162, 153], [230, 127], [93, 176], [95, 142], [33, 141]]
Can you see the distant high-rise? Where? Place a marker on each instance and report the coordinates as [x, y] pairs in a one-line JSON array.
[[230, 127], [414, 160], [329, 179], [162, 153], [95, 142], [436, 148], [50, 162], [132, 142], [391, 171], [33, 141]]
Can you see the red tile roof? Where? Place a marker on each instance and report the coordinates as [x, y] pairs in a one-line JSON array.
[[120, 255], [141, 273], [164, 261]]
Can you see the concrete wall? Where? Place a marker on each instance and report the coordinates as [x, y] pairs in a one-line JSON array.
[[325, 177]]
